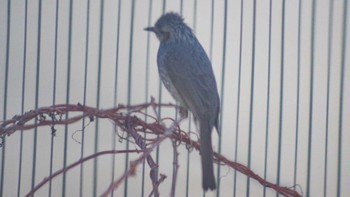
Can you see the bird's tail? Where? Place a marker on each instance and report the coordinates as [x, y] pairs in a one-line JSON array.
[[208, 179]]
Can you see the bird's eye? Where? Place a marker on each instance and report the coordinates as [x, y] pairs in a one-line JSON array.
[[166, 35]]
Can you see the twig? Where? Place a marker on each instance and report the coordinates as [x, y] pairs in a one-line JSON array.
[[43, 182], [133, 165], [175, 169]]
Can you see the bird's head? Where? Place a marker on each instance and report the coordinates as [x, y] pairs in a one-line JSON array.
[[168, 26]]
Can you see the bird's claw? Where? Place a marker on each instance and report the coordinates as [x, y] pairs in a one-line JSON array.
[[183, 112]]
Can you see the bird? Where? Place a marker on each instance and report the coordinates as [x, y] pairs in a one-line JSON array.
[[187, 73]]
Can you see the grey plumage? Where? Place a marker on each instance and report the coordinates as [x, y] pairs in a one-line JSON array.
[[186, 72]]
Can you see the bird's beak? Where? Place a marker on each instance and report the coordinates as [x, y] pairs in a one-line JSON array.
[[149, 29]]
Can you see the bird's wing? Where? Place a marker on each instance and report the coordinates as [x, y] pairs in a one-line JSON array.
[[189, 69]]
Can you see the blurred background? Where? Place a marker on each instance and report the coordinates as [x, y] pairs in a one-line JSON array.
[[282, 69]]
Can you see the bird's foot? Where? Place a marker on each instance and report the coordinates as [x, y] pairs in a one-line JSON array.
[[183, 113]]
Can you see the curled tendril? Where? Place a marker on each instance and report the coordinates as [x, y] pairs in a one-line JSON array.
[[190, 146], [177, 142], [299, 187]]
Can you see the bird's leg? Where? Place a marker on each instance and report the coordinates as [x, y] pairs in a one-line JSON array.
[[183, 113]]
